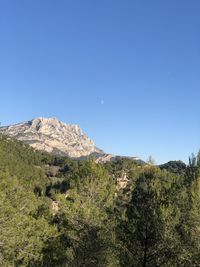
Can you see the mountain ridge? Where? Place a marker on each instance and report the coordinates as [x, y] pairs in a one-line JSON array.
[[53, 136]]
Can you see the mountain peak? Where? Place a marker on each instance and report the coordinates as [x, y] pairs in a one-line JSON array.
[[54, 136], [42, 123]]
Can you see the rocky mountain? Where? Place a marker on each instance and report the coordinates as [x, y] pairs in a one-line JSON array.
[[59, 138], [54, 136]]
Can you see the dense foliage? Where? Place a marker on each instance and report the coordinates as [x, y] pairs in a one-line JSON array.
[[60, 212]]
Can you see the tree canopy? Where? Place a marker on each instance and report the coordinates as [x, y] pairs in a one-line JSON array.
[[57, 211]]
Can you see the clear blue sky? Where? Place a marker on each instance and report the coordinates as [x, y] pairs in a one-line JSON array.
[[128, 72]]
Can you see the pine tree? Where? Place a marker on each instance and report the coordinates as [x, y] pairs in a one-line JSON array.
[[149, 233], [87, 216]]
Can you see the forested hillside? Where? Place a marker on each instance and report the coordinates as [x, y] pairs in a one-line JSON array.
[[56, 211]]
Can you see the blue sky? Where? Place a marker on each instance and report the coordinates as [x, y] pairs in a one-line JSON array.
[[128, 72]]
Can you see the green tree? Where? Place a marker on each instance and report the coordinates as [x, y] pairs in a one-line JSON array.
[[87, 215], [190, 215], [24, 233], [148, 235]]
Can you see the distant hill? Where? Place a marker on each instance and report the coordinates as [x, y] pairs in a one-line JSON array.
[[176, 166], [58, 138], [54, 136]]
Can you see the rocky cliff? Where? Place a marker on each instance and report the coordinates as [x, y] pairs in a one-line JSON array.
[[54, 136]]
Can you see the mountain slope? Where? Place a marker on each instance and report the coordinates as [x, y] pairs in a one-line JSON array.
[[54, 136]]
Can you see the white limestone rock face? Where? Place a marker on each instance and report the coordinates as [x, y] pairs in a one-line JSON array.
[[53, 136]]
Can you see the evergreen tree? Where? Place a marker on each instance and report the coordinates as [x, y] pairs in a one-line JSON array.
[[149, 235], [87, 217]]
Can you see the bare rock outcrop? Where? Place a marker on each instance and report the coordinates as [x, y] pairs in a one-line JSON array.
[[54, 136]]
